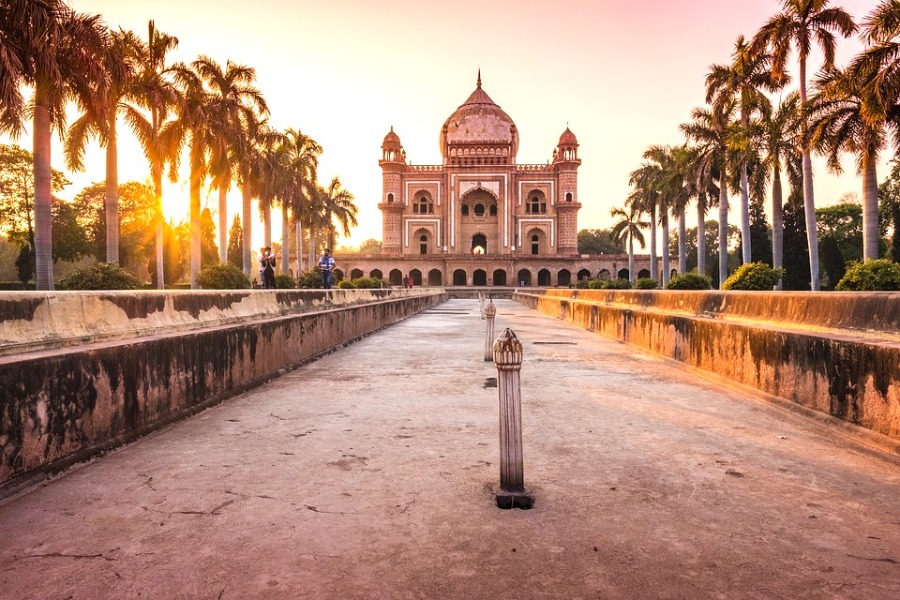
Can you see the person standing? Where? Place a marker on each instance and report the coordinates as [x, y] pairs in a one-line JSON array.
[[267, 268], [326, 266]]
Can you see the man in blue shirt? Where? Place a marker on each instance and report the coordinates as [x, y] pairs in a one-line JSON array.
[[326, 266]]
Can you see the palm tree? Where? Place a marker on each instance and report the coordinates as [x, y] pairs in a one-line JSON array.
[[743, 81], [628, 227], [234, 99], [103, 125], [800, 24], [643, 179], [338, 210], [196, 125], [304, 157], [836, 124], [774, 133], [709, 130], [664, 175], [64, 56], [154, 91]]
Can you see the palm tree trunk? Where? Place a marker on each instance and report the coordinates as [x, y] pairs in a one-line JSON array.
[[285, 238], [870, 210], [223, 222], [682, 242], [246, 209], [267, 226], [701, 234], [112, 195], [654, 259], [777, 223], [665, 257], [160, 223], [299, 235], [43, 216], [723, 229], [196, 231], [809, 203], [312, 247], [632, 277], [747, 256]]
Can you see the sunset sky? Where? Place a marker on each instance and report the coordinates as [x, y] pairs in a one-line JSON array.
[[622, 75]]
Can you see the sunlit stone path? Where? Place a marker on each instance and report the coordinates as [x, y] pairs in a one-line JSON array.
[[370, 474]]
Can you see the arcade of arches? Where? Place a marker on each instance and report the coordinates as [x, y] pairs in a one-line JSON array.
[[487, 270]]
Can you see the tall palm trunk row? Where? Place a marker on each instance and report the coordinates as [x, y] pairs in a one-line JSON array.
[[214, 113], [744, 140]]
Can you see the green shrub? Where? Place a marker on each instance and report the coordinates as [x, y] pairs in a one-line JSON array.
[[284, 282], [871, 276], [597, 284], [222, 276], [100, 276], [689, 281], [311, 279], [14, 285], [646, 283], [369, 283], [618, 284], [346, 285], [583, 284], [753, 276]]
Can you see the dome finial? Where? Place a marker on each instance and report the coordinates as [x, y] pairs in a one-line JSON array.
[[479, 77]]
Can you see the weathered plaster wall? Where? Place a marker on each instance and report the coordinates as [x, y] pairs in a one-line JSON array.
[[62, 404], [836, 353]]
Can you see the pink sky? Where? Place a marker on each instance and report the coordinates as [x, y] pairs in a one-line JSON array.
[[623, 75]]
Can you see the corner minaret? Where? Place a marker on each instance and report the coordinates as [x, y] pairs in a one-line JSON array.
[[566, 162], [393, 163]]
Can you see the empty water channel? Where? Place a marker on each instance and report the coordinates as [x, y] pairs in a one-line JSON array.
[[379, 463]]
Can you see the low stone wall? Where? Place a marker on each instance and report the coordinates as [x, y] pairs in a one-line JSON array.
[[834, 353], [105, 368]]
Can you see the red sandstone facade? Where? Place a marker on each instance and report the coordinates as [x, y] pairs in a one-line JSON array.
[[480, 218]]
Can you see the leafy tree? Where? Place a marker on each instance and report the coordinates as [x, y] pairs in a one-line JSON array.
[[372, 246], [25, 264], [760, 244], [711, 229], [598, 241], [17, 193], [236, 243], [209, 251], [176, 241], [889, 207], [796, 250], [137, 212]]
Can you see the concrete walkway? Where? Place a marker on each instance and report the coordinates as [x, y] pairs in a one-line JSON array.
[[368, 474]]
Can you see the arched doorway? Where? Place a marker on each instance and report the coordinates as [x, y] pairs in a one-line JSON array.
[[584, 274], [376, 274], [499, 277], [338, 275], [643, 273], [479, 244], [395, 277], [435, 277], [544, 277], [564, 277], [479, 277], [416, 276], [623, 274], [604, 275], [524, 277], [459, 277], [356, 274], [536, 242]]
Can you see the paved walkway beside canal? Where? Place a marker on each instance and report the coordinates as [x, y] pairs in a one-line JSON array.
[[368, 474]]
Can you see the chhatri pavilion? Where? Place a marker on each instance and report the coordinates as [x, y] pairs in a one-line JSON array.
[[480, 218]]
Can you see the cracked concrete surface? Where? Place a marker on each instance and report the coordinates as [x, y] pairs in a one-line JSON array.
[[369, 474]]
